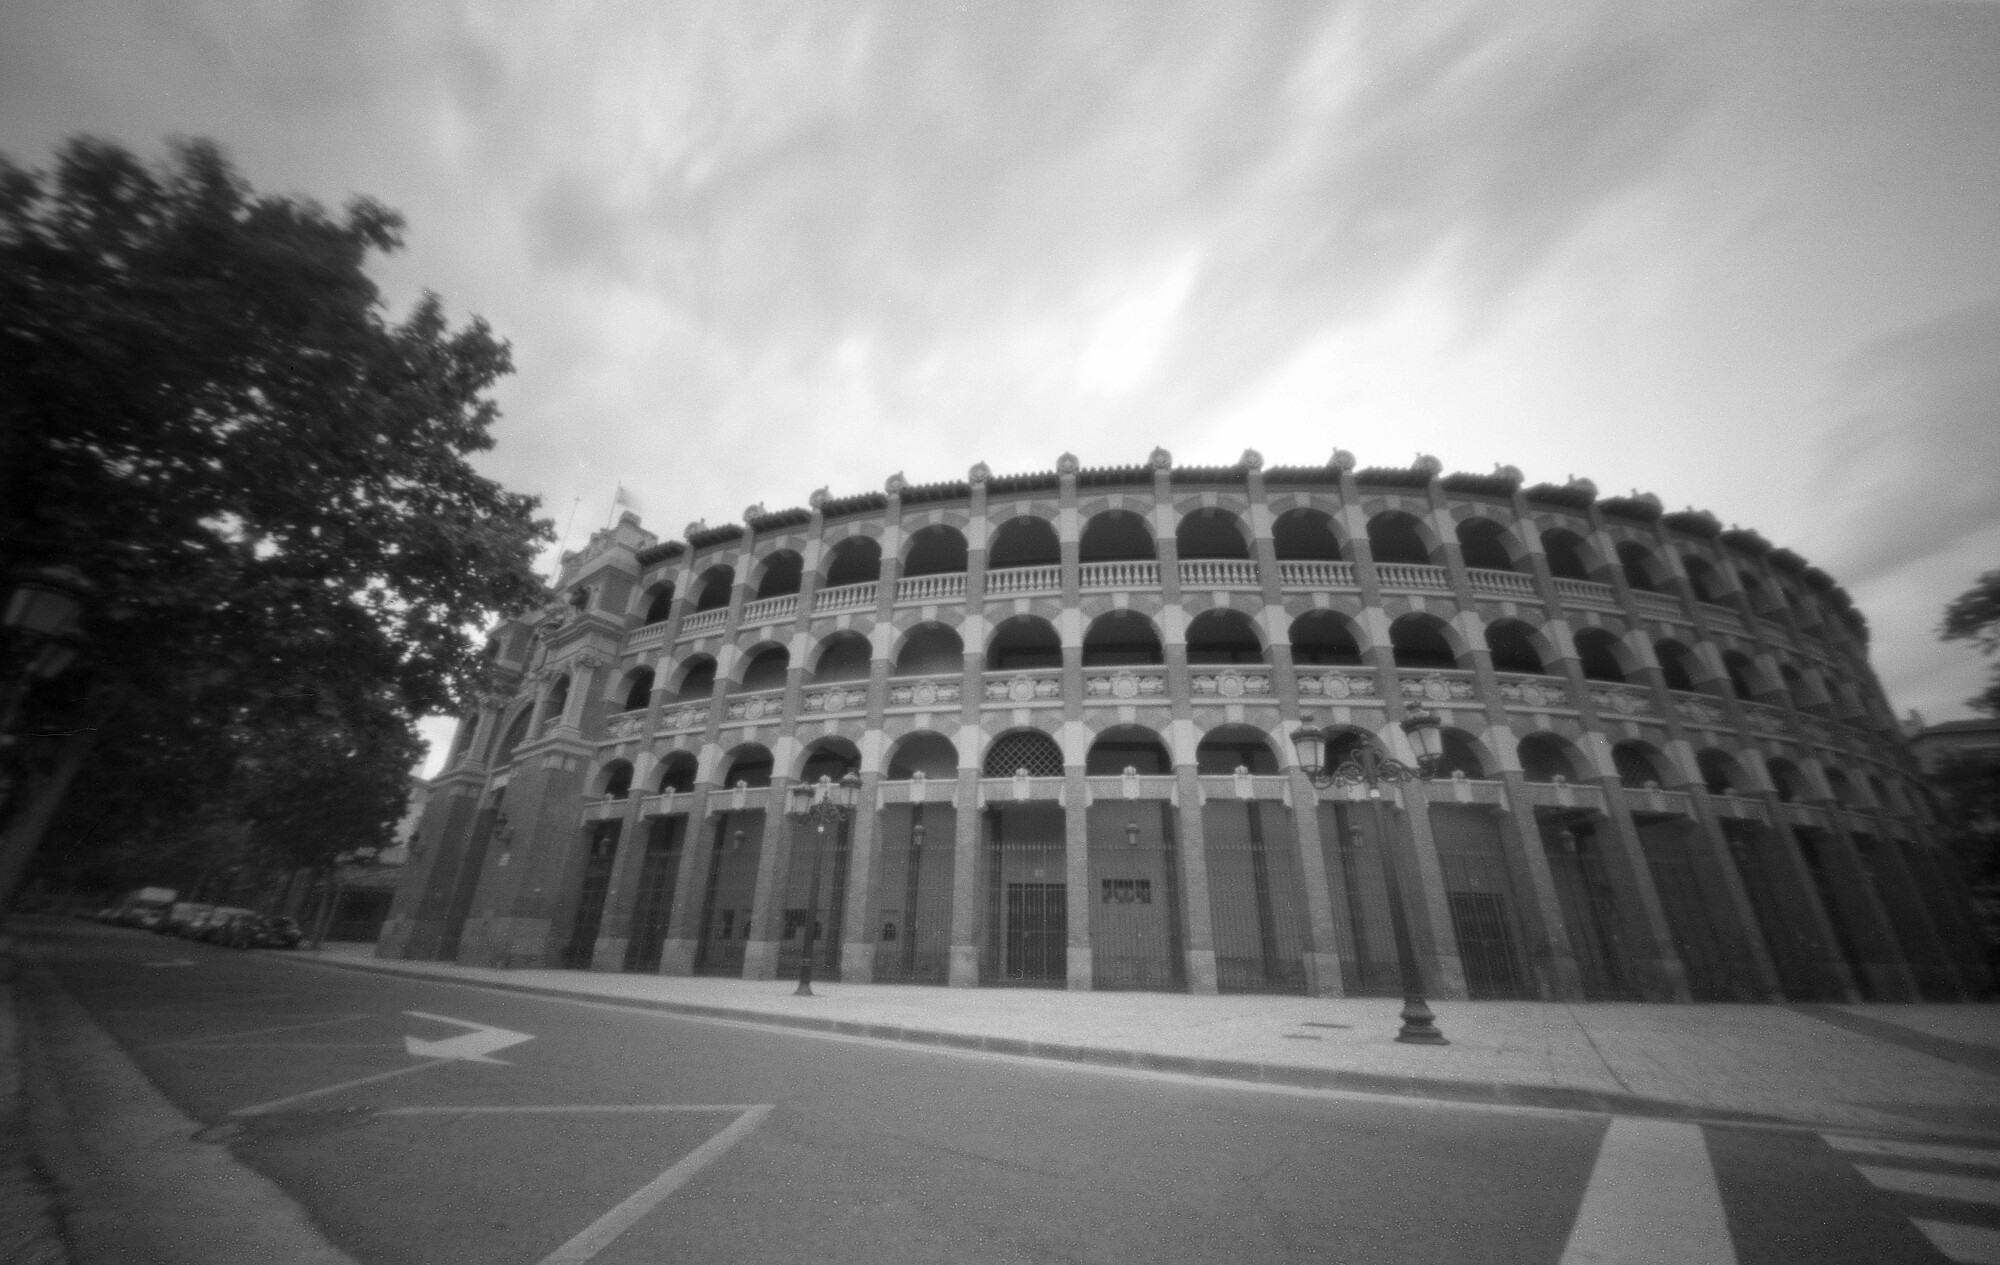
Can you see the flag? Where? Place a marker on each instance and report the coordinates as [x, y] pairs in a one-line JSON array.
[[626, 499]]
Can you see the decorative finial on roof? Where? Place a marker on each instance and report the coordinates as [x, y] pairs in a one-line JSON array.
[[1161, 459], [979, 474], [1068, 464], [695, 528], [1427, 464], [819, 498], [751, 512], [1251, 459], [896, 483], [1342, 459]]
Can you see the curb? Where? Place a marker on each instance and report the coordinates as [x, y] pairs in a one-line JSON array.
[[1487, 1093]]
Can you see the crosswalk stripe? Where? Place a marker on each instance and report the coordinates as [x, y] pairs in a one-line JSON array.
[[1966, 1244], [1972, 1156], [1651, 1200], [1971, 1190]]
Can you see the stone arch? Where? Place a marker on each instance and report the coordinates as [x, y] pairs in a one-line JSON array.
[[557, 699], [1707, 582], [1570, 556], [1754, 589], [1422, 640], [1464, 753], [781, 574], [1223, 635], [695, 680], [614, 780], [1546, 756], [1225, 748], [513, 736], [853, 559], [749, 763], [832, 757], [1117, 536], [1210, 533], [1122, 638], [1513, 643], [1597, 653], [1023, 642], [713, 588], [1399, 536], [764, 668], [923, 751], [637, 689], [1744, 679], [1643, 571], [1787, 779], [1323, 638], [1677, 665], [1488, 545], [1841, 788], [659, 602], [1305, 534], [935, 550], [1127, 745], [678, 771], [1027, 540], [1638, 763], [929, 649], [1017, 749], [1720, 771], [842, 656]]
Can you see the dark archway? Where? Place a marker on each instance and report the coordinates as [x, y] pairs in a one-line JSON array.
[[1210, 533], [935, 550], [1122, 639], [1117, 536], [1305, 535], [1223, 636], [1024, 642], [1026, 541], [1324, 639], [855, 560]]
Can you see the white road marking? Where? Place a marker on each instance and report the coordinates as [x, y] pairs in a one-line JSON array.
[[598, 1235], [1966, 1244], [1651, 1200], [279, 1104], [585, 1108], [259, 1032], [1971, 1156], [475, 1046], [1971, 1190]]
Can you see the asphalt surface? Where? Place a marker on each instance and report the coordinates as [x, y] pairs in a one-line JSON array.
[[625, 1135]]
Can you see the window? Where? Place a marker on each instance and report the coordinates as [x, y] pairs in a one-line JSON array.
[[1127, 891]]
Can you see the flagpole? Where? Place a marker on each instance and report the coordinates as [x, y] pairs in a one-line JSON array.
[[556, 573]]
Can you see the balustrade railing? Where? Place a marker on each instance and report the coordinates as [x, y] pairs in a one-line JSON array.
[[1664, 605], [1010, 580], [846, 597], [1219, 573], [1410, 575], [770, 609], [1141, 574], [1723, 618], [1510, 583], [650, 635], [930, 588], [1326, 574], [1587, 591], [704, 621]]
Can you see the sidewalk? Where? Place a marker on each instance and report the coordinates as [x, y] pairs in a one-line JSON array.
[[1931, 1069]]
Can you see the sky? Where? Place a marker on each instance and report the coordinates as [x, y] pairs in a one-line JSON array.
[[1746, 257]]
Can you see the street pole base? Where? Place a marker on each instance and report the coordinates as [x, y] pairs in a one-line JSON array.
[[804, 990], [1419, 1025]]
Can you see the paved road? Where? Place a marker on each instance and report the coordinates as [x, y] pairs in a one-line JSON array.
[[415, 1124]]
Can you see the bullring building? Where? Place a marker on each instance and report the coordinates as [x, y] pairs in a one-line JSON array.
[[1069, 697]]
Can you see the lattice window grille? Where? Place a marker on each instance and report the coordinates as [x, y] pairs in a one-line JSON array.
[[1035, 752]]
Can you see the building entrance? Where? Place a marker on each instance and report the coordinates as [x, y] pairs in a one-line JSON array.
[[1027, 897], [1037, 933]]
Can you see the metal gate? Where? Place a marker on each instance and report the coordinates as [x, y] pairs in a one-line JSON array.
[[603, 850], [737, 847], [1369, 962], [1790, 951], [1589, 906], [1027, 915], [654, 900], [1670, 858], [1135, 897], [1479, 888], [829, 853], [1256, 896], [913, 932]]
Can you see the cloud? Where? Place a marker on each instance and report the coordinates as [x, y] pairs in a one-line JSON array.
[[1909, 467]]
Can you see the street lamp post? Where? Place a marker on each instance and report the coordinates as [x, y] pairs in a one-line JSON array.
[[821, 804], [1368, 767]]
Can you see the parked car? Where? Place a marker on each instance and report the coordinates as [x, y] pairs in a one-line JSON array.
[[275, 931], [226, 924], [183, 917]]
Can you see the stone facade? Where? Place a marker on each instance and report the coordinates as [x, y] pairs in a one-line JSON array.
[[1069, 698]]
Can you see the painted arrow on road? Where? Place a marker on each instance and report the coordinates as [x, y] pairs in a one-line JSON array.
[[475, 1046]]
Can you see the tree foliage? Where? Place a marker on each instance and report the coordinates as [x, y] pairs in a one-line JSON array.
[[1974, 616], [205, 412]]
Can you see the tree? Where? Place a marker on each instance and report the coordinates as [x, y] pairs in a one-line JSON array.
[[1974, 615], [204, 412]]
